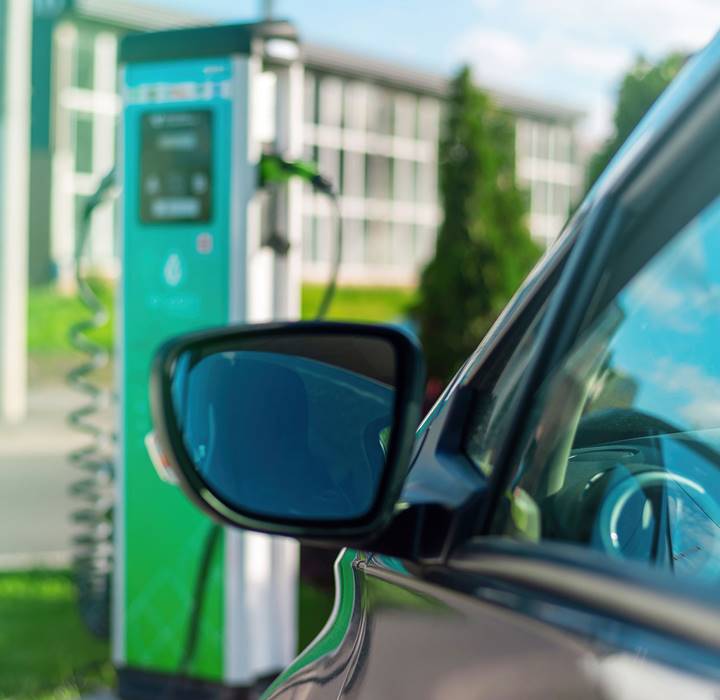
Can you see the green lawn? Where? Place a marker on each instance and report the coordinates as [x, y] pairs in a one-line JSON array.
[[45, 651], [52, 314], [360, 303]]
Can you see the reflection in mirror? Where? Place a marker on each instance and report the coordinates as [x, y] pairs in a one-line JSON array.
[[291, 427]]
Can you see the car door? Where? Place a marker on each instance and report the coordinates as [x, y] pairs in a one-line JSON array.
[[574, 491]]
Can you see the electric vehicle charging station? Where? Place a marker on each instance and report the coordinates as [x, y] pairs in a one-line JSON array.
[[200, 248]]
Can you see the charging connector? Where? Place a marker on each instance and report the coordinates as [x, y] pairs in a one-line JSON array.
[[276, 169]]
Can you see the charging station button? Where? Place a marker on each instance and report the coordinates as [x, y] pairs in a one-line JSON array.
[[204, 243]]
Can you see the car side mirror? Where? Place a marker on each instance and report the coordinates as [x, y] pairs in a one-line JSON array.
[[297, 429]]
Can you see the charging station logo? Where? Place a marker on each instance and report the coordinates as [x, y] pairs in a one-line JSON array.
[[173, 270]]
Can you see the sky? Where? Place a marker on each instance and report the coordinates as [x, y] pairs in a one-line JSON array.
[[568, 51]]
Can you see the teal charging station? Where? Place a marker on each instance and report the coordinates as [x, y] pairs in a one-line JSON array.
[[199, 108]]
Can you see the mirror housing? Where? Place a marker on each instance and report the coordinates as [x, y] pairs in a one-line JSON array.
[[341, 367]]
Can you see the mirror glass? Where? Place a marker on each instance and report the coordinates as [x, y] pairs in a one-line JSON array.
[[289, 426]]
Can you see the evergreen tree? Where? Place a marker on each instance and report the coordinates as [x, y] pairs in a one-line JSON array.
[[639, 89], [484, 249]]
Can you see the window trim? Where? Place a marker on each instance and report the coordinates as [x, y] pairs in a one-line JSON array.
[[577, 578]]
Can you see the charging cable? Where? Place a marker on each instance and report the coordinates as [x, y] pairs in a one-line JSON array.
[[92, 539], [276, 169]]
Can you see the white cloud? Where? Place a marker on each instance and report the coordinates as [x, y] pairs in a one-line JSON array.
[[576, 50], [701, 390]]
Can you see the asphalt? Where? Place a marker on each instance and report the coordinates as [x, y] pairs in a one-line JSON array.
[[35, 479]]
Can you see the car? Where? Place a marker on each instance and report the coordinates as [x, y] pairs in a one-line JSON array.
[[551, 528]]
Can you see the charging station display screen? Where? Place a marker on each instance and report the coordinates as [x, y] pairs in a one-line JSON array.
[[176, 166]]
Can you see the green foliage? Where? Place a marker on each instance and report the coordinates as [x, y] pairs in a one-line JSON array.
[[314, 606], [360, 303], [46, 651], [484, 249], [639, 89], [51, 314]]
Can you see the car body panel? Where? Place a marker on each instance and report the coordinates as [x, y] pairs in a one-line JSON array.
[[397, 634], [319, 671]]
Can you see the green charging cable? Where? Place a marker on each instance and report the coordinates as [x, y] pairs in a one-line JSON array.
[[276, 169]]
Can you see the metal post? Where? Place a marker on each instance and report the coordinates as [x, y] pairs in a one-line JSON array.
[[267, 9], [15, 47]]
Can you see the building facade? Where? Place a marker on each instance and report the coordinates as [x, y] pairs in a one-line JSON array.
[[372, 126]]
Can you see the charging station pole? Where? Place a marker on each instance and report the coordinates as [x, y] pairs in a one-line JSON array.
[[199, 107]]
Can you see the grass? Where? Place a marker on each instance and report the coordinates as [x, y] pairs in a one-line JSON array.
[[51, 315], [360, 303], [46, 652]]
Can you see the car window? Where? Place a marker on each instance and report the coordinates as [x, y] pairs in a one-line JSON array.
[[624, 452], [491, 409]]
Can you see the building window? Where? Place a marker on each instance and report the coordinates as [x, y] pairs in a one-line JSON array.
[[405, 115], [378, 249], [541, 141], [428, 119], [329, 164], [380, 110], [403, 246], [309, 239], [84, 64], [353, 245], [310, 99], [355, 106], [427, 182], [330, 93], [561, 150], [378, 177], [404, 180], [540, 196], [561, 201], [83, 142], [354, 174]]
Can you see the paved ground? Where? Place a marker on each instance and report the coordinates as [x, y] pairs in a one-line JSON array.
[[35, 475]]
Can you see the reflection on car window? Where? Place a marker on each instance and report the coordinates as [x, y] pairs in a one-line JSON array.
[[490, 413], [624, 456]]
